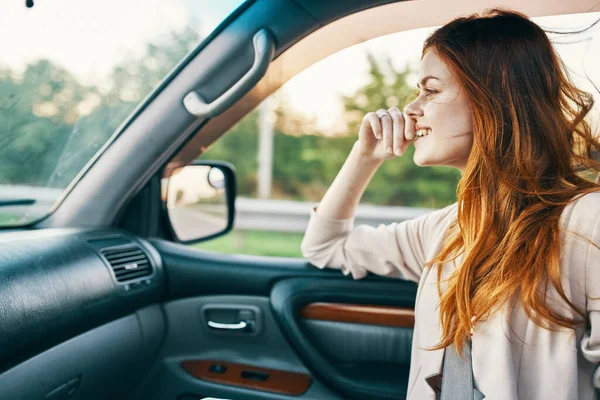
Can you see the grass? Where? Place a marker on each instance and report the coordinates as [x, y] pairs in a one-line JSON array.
[[260, 243]]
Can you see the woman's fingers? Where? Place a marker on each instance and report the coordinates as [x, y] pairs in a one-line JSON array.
[[409, 130], [373, 120], [387, 127], [398, 134], [385, 134]]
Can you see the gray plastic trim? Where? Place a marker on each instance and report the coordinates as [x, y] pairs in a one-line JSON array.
[[264, 48], [107, 361]]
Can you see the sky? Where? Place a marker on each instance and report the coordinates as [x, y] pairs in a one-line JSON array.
[[88, 38]]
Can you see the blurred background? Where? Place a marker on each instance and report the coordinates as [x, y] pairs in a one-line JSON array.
[[67, 92]]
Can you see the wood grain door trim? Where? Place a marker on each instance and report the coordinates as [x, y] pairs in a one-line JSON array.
[[360, 314], [283, 382]]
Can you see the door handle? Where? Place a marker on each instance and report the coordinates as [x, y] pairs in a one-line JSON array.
[[231, 318], [230, 327]]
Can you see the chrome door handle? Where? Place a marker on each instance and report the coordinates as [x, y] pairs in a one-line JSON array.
[[231, 327]]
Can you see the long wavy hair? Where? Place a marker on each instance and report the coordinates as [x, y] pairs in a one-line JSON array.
[[533, 153]]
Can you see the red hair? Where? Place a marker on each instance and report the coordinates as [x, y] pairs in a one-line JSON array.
[[531, 139]]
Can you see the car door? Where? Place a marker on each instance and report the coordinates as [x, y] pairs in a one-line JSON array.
[[316, 334]]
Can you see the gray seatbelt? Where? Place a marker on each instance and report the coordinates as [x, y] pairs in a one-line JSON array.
[[596, 383], [457, 375]]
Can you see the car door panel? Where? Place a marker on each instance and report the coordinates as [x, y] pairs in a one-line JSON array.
[[357, 359], [352, 338], [190, 339], [193, 272], [358, 343]]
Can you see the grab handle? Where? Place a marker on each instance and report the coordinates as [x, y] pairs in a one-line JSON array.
[[264, 48]]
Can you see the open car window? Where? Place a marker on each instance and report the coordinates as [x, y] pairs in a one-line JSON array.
[[69, 78], [289, 149]]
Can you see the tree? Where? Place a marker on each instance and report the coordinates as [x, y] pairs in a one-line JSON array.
[[387, 88], [51, 125], [37, 112], [305, 161], [239, 146], [130, 82]]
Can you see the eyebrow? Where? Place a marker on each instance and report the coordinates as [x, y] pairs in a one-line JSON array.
[[424, 80]]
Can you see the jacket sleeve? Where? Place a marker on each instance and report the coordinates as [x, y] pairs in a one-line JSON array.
[[590, 343], [396, 250]]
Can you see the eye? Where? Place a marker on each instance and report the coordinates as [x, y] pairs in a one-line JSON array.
[[429, 92]]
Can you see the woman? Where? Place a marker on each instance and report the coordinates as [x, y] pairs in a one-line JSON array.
[[513, 268]]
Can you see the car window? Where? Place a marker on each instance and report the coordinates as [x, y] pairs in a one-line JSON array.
[[289, 149], [71, 72]]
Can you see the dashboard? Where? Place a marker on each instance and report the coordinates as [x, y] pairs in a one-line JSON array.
[[78, 309]]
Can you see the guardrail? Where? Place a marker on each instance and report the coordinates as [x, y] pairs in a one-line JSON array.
[[293, 216]]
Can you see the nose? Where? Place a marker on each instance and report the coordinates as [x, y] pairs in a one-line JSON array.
[[413, 109]]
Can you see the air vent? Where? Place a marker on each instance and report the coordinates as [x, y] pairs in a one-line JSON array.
[[128, 263]]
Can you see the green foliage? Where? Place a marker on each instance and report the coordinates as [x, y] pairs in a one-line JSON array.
[[305, 164], [36, 116], [239, 146], [387, 88], [51, 125]]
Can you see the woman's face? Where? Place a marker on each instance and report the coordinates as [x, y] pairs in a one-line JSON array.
[[443, 109]]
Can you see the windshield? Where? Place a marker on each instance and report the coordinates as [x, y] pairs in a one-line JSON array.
[[71, 72]]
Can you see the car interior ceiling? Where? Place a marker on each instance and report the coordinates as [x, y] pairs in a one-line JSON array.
[[70, 330]]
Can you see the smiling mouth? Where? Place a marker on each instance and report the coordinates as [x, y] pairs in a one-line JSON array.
[[421, 133], [418, 138]]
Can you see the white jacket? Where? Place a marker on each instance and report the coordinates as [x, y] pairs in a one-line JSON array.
[[543, 365]]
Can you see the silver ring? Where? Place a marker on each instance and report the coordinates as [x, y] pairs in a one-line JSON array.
[[382, 114]]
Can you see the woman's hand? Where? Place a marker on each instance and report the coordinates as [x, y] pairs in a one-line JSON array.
[[385, 134]]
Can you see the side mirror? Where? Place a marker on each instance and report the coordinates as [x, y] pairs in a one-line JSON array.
[[200, 201]]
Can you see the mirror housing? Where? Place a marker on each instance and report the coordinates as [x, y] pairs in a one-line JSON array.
[[199, 201]]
